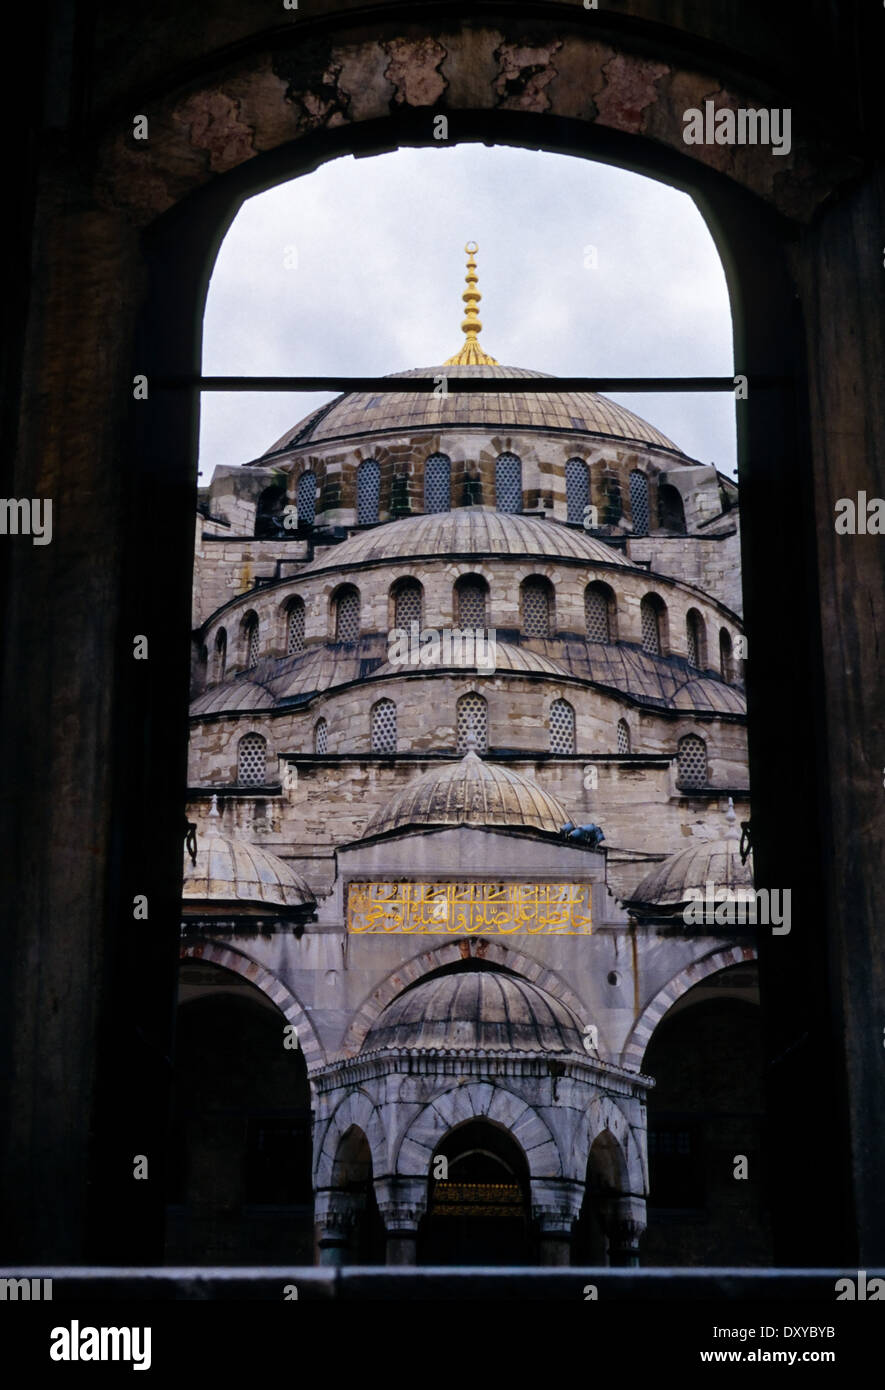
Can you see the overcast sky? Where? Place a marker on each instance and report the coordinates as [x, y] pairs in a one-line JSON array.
[[379, 245]]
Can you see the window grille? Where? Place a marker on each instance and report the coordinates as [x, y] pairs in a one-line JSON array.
[[347, 616], [407, 605], [306, 497], [623, 736], [321, 737], [692, 643], [471, 605], [384, 727], [252, 760], [368, 492], [473, 723], [577, 489], [253, 643], [651, 627], [562, 727], [220, 654], [596, 614], [438, 483], [508, 483], [295, 638], [535, 608], [691, 761], [725, 656], [639, 503]]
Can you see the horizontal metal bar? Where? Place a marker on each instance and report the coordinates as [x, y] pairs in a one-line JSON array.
[[385, 385]]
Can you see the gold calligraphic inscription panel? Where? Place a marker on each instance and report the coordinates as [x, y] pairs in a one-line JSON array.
[[445, 908]]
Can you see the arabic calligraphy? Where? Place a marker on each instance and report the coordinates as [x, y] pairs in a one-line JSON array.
[[440, 909]]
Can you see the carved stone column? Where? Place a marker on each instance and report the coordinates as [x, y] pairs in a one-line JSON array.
[[336, 1215], [623, 1220], [402, 1201], [556, 1203]]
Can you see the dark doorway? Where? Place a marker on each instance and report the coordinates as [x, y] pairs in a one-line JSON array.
[[479, 1213]]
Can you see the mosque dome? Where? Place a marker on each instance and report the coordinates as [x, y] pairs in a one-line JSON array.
[[233, 871], [710, 861], [476, 1010], [476, 531], [470, 792]]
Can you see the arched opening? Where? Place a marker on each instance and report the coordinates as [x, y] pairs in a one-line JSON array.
[[538, 607], [562, 727], [240, 1170], [346, 613], [600, 612], [726, 656], [604, 1182], [671, 510], [269, 512], [508, 483], [653, 625], [577, 491], [691, 762], [368, 492], [295, 626], [252, 760], [639, 504], [354, 1197], [471, 602], [438, 483], [696, 639], [408, 604], [306, 499], [472, 721], [479, 1212], [384, 726], [250, 641]]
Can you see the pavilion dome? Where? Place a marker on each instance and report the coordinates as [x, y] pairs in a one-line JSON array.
[[470, 792], [711, 861], [234, 871], [476, 1010]]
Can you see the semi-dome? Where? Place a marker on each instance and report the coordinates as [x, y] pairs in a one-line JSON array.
[[466, 531], [358, 414], [473, 1010], [691, 870], [234, 871], [470, 792]]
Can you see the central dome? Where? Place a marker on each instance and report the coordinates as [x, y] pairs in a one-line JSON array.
[[476, 1009], [470, 792], [359, 413]]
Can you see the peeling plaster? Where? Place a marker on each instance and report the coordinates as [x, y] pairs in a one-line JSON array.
[[414, 71], [630, 87], [524, 76], [213, 124]]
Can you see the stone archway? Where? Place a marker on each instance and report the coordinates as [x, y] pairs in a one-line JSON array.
[[634, 1048]]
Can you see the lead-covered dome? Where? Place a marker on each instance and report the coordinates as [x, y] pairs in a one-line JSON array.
[[470, 792], [233, 871], [716, 862], [476, 1010]]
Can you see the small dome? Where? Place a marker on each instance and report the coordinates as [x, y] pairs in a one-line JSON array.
[[359, 413], [711, 861], [466, 531], [476, 1009], [233, 871], [470, 792]]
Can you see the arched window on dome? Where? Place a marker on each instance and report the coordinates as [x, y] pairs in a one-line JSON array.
[[508, 483], [438, 483], [696, 639], [726, 657], [471, 602], [599, 612], [408, 604], [562, 727], [252, 761], [346, 613], [251, 641], [577, 490], [671, 511], [269, 511], [623, 736], [473, 723], [219, 655], [639, 509], [368, 492], [691, 762], [306, 499], [384, 727], [295, 627], [538, 618], [653, 618], [321, 737]]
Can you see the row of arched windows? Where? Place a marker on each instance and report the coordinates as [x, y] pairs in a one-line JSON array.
[[472, 723], [508, 492], [471, 596]]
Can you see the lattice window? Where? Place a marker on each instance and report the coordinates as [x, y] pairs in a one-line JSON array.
[[536, 606], [562, 727], [384, 727], [407, 604], [306, 498], [295, 628], [252, 760], [694, 638], [597, 613], [220, 654], [651, 627], [471, 604], [321, 737], [508, 483], [691, 761], [577, 489], [473, 723], [252, 642], [438, 483], [726, 660], [623, 736], [639, 509], [347, 615], [368, 492]]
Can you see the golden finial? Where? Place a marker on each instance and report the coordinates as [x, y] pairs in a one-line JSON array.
[[471, 354]]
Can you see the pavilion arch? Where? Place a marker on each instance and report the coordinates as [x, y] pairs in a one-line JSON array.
[[355, 1111], [634, 1048], [409, 972], [479, 1100], [292, 1011], [604, 1116]]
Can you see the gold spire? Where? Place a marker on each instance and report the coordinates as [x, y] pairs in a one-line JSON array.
[[471, 354]]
